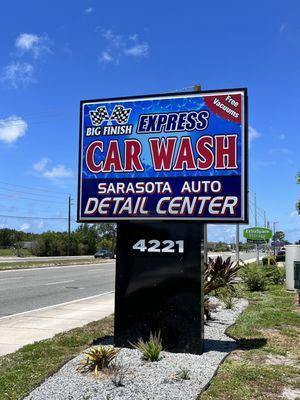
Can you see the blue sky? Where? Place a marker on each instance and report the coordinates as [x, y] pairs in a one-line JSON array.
[[53, 54]]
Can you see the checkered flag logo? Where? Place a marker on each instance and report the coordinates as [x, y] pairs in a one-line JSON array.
[[98, 116], [120, 114]]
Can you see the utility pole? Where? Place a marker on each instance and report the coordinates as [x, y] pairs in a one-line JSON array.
[[265, 219], [69, 224], [197, 88], [255, 216], [274, 237], [237, 243], [255, 209]]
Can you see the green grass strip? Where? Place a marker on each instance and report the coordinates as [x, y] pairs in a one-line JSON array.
[[22, 371]]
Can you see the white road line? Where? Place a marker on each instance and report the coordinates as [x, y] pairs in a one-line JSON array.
[[95, 270], [6, 279], [55, 305], [56, 267], [56, 283]]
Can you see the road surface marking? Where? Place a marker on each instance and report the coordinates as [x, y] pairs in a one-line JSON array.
[[5, 279], [57, 283], [96, 270], [55, 305]]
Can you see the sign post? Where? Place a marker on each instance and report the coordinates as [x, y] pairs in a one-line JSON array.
[[161, 166]]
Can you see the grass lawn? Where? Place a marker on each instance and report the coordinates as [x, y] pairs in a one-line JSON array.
[[13, 252], [28, 367], [267, 363]]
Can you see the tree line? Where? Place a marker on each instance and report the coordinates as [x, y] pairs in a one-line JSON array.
[[85, 240]]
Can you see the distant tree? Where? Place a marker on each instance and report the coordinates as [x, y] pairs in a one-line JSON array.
[[279, 237], [107, 231], [87, 237]]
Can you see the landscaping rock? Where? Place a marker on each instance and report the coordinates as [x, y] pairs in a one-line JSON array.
[[146, 380]]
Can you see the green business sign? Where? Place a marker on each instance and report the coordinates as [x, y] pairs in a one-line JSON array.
[[257, 234]]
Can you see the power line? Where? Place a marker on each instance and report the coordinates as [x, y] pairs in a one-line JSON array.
[[31, 199], [31, 193], [32, 188], [31, 217]]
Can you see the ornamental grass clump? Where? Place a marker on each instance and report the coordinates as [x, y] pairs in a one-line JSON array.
[[97, 359], [183, 374], [151, 348]]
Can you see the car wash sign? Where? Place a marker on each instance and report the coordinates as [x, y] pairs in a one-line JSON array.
[[164, 157]]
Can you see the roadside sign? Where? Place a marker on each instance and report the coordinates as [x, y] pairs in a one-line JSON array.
[[257, 234], [256, 241], [278, 244], [179, 156]]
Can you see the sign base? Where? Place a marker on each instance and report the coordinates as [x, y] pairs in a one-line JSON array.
[[159, 279]]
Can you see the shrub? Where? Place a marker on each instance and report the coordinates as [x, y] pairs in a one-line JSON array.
[[226, 295], [183, 373], [97, 359], [254, 278], [275, 275], [219, 273], [150, 349]]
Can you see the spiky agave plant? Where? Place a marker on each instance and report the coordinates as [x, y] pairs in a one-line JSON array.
[[97, 359], [151, 348], [219, 273]]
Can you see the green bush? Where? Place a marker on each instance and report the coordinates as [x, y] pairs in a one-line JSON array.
[[257, 278], [275, 275], [226, 295], [254, 278]]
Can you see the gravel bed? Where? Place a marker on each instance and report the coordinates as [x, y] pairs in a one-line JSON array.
[[149, 380]]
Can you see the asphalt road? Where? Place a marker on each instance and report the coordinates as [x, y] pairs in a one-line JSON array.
[[29, 289]]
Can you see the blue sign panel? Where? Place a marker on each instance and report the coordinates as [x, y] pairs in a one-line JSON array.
[[164, 157]]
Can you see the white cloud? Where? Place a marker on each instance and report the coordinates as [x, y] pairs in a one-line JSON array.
[[31, 43], [24, 227], [106, 57], [253, 134], [18, 74], [88, 10], [282, 28], [118, 46], [40, 225], [12, 128], [137, 50], [58, 172], [40, 165]]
